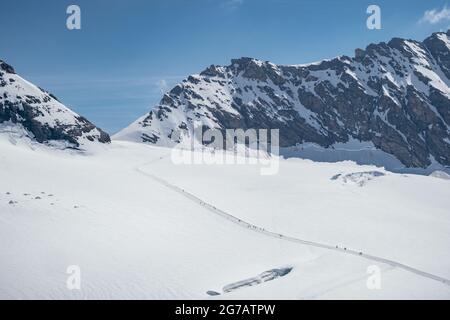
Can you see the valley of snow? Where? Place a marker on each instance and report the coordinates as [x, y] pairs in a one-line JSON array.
[[140, 227]]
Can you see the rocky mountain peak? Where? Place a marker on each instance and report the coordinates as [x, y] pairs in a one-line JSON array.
[[28, 110], [394, 96], [6, 67]]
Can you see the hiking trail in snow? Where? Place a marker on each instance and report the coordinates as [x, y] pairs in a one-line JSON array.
[[255, 228]]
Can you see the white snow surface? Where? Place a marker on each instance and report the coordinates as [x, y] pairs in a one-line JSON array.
[[139, 226]]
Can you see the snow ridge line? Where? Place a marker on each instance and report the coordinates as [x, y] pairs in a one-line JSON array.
[[279, 236]]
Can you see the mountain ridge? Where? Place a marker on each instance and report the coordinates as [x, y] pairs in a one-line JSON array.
[[37, 114], [394, 95]]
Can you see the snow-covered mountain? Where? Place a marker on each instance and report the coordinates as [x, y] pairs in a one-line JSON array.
[[393, 97], [26, 110], [127, 222]]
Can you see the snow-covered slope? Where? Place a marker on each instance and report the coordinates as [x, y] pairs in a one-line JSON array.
[[27, 111], [393, 97], [139, 226]]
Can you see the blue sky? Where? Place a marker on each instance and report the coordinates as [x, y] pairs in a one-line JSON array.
[[127, 53]]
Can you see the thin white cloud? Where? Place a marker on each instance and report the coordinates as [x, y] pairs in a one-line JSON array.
[[162, 85], [435, 16], [233, 4]]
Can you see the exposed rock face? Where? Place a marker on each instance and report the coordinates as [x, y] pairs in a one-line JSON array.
[[41, 115], [395, 95]]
